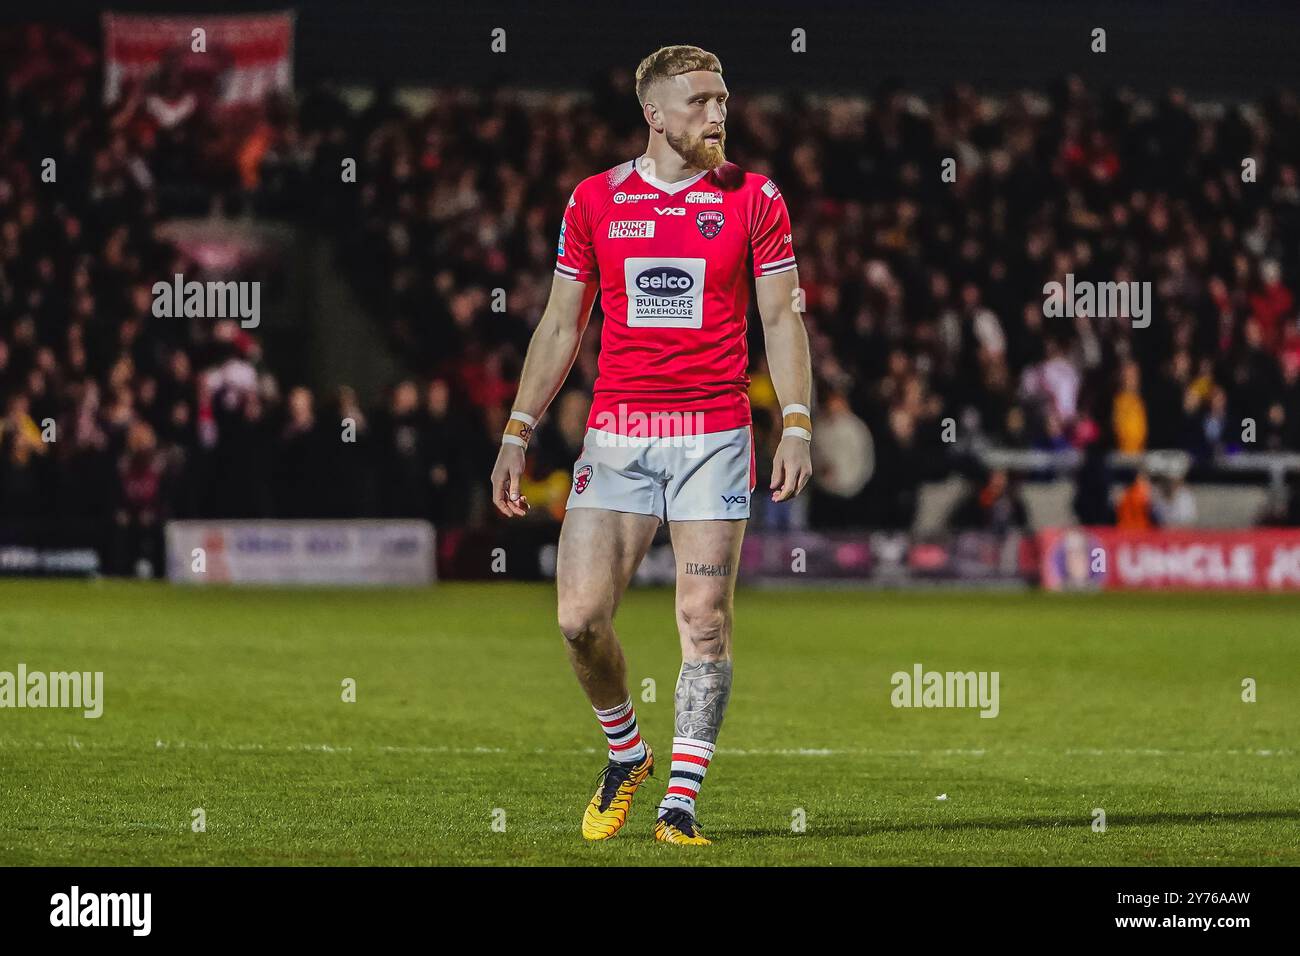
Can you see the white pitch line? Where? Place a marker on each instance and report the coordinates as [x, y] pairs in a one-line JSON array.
[[75, 744]]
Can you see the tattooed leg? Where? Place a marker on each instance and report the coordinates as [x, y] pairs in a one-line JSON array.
[[707, 570], [703, 689], [705, 589]]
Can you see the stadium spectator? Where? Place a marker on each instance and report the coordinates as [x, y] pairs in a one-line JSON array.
[[1129, 412], [402, 459], [1172, 503], [1092, 499], [843, 460], [992, 503], [140, 510], [1133, 512]]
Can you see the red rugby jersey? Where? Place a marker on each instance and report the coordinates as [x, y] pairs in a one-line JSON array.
[[671, 261]]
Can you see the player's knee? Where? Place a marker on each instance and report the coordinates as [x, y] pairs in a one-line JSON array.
[[706, 627], [581, 623]]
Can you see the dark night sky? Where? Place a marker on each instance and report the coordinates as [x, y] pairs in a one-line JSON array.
[[1222, 48]]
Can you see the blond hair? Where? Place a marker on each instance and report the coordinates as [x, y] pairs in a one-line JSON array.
[[669, 61]]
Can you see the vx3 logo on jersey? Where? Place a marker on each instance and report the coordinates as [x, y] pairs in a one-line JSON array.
[[670, 210], [735, 499]]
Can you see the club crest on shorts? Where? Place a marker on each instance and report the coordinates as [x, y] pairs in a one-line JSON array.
[[581, 479], [710, 222]]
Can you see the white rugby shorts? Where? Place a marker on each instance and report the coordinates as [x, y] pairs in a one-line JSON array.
[[685, 478]]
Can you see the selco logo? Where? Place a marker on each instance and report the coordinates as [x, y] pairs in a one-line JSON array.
[[621, 197], [664, 281]]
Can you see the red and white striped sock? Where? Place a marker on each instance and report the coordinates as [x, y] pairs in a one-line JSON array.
[[691, 760], [619, 724]]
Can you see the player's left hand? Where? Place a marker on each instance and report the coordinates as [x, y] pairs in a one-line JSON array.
[[791, 468]]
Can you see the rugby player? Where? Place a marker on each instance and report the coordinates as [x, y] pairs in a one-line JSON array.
[[669, 240]]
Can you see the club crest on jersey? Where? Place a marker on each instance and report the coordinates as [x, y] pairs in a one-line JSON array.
[[710, 222], [581, 479]]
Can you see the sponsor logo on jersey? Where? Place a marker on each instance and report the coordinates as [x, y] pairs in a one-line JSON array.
[[622, 197], [710, 222], [632, 229], [702, 197], [664, 293], [770, 190], [664, 280], [581, 479], [670, 210], [573, 199], [735, 499], [564, 225]]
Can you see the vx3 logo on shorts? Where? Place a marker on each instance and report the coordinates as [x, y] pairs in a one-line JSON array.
[[735, 499]]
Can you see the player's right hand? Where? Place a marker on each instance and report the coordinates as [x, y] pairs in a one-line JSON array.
[[505, 482]]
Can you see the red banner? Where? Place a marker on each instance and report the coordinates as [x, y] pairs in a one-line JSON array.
[[249, 56], [1183, 559]]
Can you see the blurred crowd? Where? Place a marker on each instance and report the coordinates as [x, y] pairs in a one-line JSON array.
[[924, 292], [113, 420]]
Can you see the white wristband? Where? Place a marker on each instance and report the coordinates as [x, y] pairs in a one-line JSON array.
[[520, 433], [797, 415]]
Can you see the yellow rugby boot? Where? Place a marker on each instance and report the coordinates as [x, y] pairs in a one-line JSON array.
[[616, 784], [678, 826]]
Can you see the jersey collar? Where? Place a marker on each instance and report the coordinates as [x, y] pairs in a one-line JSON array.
[[670, 188]]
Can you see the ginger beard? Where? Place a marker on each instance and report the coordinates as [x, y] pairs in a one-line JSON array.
[[697, 152]]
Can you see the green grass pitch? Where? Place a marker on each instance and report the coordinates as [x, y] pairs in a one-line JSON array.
[[466, 712]]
